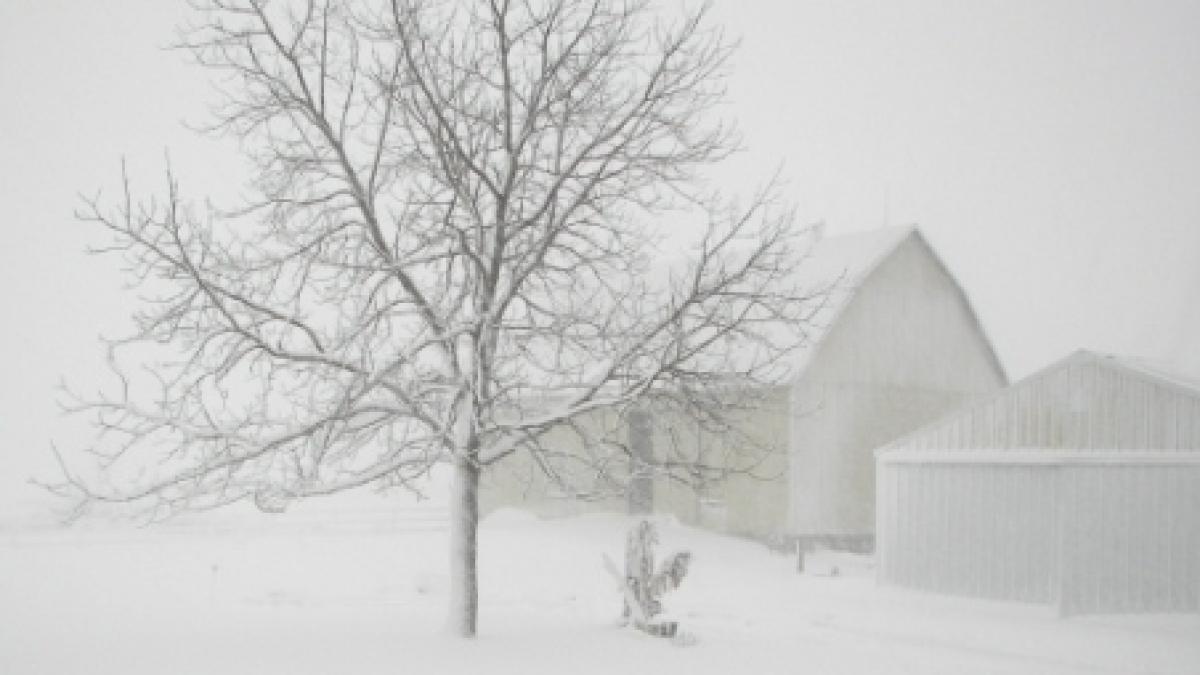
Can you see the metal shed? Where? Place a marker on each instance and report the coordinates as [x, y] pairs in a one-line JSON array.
[[1078, 487]]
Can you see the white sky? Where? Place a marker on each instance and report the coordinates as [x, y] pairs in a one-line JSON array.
[[1050, 151]]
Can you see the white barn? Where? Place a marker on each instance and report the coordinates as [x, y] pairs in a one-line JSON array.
[[1077, 487], [896, 345], [900, 346]]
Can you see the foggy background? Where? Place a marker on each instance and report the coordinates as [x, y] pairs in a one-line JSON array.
[[1049, 151]]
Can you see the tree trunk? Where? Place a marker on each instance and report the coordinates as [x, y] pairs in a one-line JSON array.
[[464, 526]]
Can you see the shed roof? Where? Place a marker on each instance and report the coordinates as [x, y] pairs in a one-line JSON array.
[[1149, 405], [1172, 374]]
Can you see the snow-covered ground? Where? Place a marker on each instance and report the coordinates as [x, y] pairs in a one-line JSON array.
[[357, 586]]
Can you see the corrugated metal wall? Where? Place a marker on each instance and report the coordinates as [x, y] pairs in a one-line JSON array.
[[1088, 532], [1131, 538]]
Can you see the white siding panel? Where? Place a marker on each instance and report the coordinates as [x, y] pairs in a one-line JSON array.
[[967, 530], [1093, 533], [1130, 522]]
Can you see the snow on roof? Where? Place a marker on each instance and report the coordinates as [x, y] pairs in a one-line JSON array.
[[841, 264], [1172, 374], [832, 269], [854, 255]]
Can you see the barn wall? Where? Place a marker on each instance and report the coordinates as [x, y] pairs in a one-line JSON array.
[[751, 502], [1114, 532], [1084, 403], [519, 482], [904, 351], [836, 428], [755, 503]]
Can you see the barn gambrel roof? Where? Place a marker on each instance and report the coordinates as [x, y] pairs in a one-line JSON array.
[[844, 264]]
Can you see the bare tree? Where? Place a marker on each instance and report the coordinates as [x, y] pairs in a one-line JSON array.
[[454, 244]]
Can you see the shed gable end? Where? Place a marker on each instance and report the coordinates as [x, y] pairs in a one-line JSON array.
[[1084, 402]]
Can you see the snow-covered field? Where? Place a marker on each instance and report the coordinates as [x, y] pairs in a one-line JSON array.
[[358, 587]]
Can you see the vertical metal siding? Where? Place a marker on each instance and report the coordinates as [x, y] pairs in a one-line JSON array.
[[1135, 536], [1092, 534], [967, 530]]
